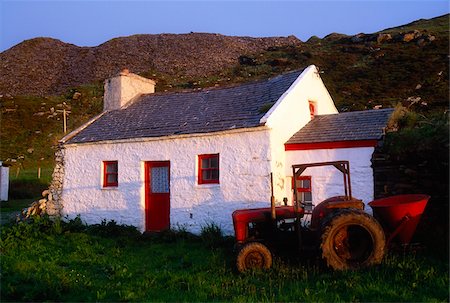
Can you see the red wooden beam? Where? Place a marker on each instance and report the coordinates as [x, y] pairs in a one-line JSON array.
[[331, 145]]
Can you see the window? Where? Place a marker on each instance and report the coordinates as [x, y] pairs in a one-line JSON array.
[[110, 174], [312, 109], [304, 194], [208, 169]]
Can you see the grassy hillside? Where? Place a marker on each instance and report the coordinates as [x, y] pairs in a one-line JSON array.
[[30, 129], [433, 25], [361, 72]]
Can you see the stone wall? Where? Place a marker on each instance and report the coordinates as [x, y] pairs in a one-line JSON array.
[[399, 176], [54, 203], [412, 175]]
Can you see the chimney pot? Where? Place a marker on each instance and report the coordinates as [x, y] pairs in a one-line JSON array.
[[125, 88]]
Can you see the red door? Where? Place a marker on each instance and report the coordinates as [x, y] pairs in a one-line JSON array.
[[157, 195]]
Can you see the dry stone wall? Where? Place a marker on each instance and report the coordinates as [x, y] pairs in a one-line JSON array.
[[54, 203], [51, 201]]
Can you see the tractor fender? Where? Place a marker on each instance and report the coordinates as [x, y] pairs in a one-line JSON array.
[[330, 205]]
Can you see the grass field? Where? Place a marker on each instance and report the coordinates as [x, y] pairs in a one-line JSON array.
[[107, 262]]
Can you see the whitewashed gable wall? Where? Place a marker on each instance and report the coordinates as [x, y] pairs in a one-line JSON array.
[[289, 115], [244, 179]]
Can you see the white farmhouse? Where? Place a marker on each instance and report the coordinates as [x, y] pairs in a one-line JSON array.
[[161, 160]]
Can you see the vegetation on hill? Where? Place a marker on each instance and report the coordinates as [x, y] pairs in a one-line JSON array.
[[410, 66], [360, 72]]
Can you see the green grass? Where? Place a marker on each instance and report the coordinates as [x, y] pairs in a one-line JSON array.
[[9, 209], [438, 24], [15, 205], [58, 262], [25, 184]]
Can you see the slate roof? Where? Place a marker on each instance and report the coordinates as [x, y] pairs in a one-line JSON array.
[[348, 126], [209, 110]]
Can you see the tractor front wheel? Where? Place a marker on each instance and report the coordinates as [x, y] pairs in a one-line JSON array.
[[253, 255], [352, 239]]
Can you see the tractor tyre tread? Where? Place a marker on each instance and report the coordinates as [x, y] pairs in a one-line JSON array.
[[347, 217], [253, 249]]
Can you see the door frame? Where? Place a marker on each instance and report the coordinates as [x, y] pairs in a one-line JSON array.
[[147, 166]]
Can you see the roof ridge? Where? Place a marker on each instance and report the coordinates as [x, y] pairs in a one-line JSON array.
[[358, 111], [217, 88]]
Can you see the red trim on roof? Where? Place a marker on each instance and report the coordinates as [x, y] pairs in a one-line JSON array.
[[331, 145]]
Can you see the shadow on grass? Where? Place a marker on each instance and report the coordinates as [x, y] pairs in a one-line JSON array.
[[26, 189]]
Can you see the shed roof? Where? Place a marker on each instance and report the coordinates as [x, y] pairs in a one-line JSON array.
[[208, 110], [347, 126]]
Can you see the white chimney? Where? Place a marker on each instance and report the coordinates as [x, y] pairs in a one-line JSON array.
[[124, 88]]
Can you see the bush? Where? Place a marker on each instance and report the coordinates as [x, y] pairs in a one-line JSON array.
[[31, 228], [75, 225], [112, 229], [212, 235], [419, 137], [171, 235]]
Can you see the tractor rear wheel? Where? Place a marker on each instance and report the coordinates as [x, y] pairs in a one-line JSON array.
[[253, 255], [352, 239]]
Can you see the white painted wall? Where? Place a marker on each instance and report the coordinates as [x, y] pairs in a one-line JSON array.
[[288, 116], [244, 179], [124, 88], [4, 182], [327, 181]]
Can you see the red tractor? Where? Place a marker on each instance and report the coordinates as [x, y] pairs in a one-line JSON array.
[[339, 229]]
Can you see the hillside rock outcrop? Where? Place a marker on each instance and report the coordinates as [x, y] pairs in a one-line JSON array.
[[43, 66]]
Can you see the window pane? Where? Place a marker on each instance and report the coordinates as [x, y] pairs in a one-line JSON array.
[[111, 179], [306, 184], [215, 174], [160, 179], [205, 163], [307, 197], [111, 167], [215, 162], [206, 175]]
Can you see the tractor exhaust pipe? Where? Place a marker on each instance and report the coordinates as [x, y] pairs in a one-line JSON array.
[[272, 199]]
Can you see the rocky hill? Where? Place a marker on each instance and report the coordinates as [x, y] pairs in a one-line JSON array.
[[39, 78], [44, 66]]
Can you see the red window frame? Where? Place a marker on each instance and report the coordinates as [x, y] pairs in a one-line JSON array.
[[202, 171], [301, 190], [107, 173], [312, 109]]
